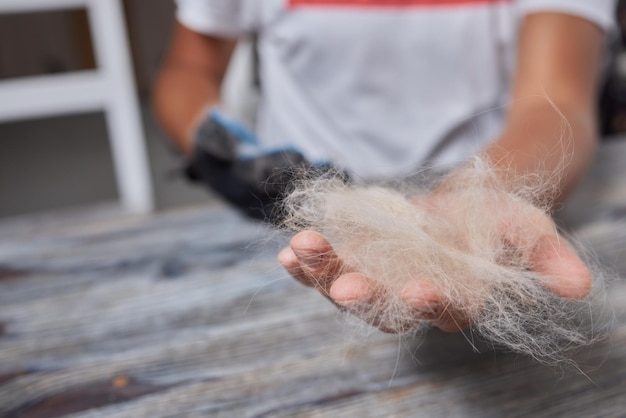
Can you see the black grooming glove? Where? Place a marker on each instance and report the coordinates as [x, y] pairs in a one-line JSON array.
[[230, 160]]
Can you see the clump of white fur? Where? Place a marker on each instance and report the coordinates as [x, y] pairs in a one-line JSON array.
[[463, 237]]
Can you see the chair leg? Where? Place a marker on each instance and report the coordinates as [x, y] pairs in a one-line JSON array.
[[121, 106]]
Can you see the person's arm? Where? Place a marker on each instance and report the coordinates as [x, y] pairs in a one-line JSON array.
[[190, 82], [188, 85], [551, 121], [558, 67]]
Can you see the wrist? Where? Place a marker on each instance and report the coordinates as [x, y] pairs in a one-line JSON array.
[[199, 118]]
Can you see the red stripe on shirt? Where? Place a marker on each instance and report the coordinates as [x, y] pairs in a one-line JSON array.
[[389, 3]]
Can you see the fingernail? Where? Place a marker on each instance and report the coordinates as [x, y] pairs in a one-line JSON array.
[[312, 261]]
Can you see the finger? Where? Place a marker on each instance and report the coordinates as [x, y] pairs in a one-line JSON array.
[[365, 299], [564, 273], [317, 259], [423, 298], [552, 257], [450, 320], [428, 304], [290, 263], [353, 288], [524, 234]]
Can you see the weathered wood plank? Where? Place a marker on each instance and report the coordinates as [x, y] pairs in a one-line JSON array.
[[188, 314]]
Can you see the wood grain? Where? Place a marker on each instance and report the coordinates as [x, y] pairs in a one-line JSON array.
[[187, 313]]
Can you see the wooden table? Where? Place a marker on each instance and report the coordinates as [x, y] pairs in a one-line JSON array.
[[188, 314]]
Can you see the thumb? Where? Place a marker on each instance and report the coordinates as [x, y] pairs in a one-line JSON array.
[[552, 257], [562, 271]]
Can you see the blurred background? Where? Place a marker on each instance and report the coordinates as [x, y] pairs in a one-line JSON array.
[[49, 163]]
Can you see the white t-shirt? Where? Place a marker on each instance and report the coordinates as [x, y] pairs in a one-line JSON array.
[[381, 87]]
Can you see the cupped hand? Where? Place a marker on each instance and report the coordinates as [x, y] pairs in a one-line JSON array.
[[311, 260]]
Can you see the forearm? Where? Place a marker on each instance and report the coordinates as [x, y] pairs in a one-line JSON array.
[[189, 82], [551, 121], [558, 139], [181, 96]]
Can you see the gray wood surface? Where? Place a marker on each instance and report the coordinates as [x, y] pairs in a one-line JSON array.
[[188, 314]]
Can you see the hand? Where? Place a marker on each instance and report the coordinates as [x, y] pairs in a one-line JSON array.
[[230, 160], [311, 259]]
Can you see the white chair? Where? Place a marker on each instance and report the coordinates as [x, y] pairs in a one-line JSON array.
[[109, 88]]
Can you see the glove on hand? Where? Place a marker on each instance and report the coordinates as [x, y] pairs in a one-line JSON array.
[[229, 159]]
